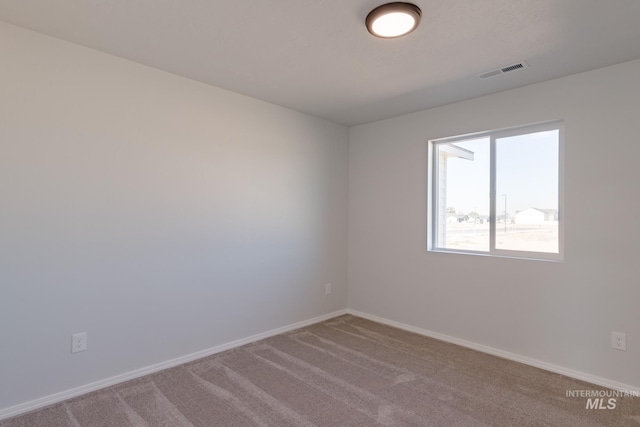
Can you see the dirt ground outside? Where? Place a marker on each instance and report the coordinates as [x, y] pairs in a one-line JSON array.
[[518, 237]]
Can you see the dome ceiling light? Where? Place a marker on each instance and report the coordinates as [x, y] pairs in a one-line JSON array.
[[393, 20]]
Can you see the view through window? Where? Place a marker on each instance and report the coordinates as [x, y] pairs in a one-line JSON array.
[[499, 192]]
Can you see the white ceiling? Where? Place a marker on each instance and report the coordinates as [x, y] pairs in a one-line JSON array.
[[316, 56]]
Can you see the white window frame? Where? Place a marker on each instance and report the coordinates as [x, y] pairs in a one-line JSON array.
[[433, 189]]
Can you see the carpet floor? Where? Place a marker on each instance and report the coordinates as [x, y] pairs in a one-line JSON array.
[[342, 372]]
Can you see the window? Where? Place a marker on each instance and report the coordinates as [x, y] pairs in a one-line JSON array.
[[498, 193]]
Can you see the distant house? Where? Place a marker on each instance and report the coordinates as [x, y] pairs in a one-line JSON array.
[[550, 214], [452, 218], [536, 216], [474, 217]]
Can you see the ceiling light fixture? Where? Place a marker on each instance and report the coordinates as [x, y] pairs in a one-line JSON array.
[[393, 20]]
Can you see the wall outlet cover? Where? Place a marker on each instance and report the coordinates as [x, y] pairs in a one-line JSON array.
[[619, 341], [78, 342]]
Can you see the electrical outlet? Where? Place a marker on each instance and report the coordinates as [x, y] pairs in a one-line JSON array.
[[327, 289], [619, 341], [78, 342]]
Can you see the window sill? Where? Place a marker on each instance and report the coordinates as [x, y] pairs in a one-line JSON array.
[[525, 256]]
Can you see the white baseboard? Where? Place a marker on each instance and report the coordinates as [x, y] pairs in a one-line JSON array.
[[604, 382], [22, 408], [78, 391]]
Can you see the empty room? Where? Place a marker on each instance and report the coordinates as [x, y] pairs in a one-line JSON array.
[[319, 213]]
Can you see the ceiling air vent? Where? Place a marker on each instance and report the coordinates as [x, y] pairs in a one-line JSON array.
[[502, 70]]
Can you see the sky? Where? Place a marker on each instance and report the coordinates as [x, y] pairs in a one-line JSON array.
[[526, 174]]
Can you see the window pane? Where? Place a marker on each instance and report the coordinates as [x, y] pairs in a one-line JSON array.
[[527, 192], [463, 195]]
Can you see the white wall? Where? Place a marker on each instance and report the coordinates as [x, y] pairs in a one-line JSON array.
[[160, 215], [558, 313]]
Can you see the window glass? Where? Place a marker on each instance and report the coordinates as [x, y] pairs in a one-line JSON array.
[[464, 195], [499, 192], [527, 190]]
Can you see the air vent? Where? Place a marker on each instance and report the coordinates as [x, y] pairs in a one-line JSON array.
[[512, 68], [502, 70]]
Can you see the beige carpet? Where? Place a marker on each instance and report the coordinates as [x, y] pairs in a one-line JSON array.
[[343, 372]]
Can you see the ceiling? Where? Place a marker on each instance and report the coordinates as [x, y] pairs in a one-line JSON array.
[[317, 57]]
